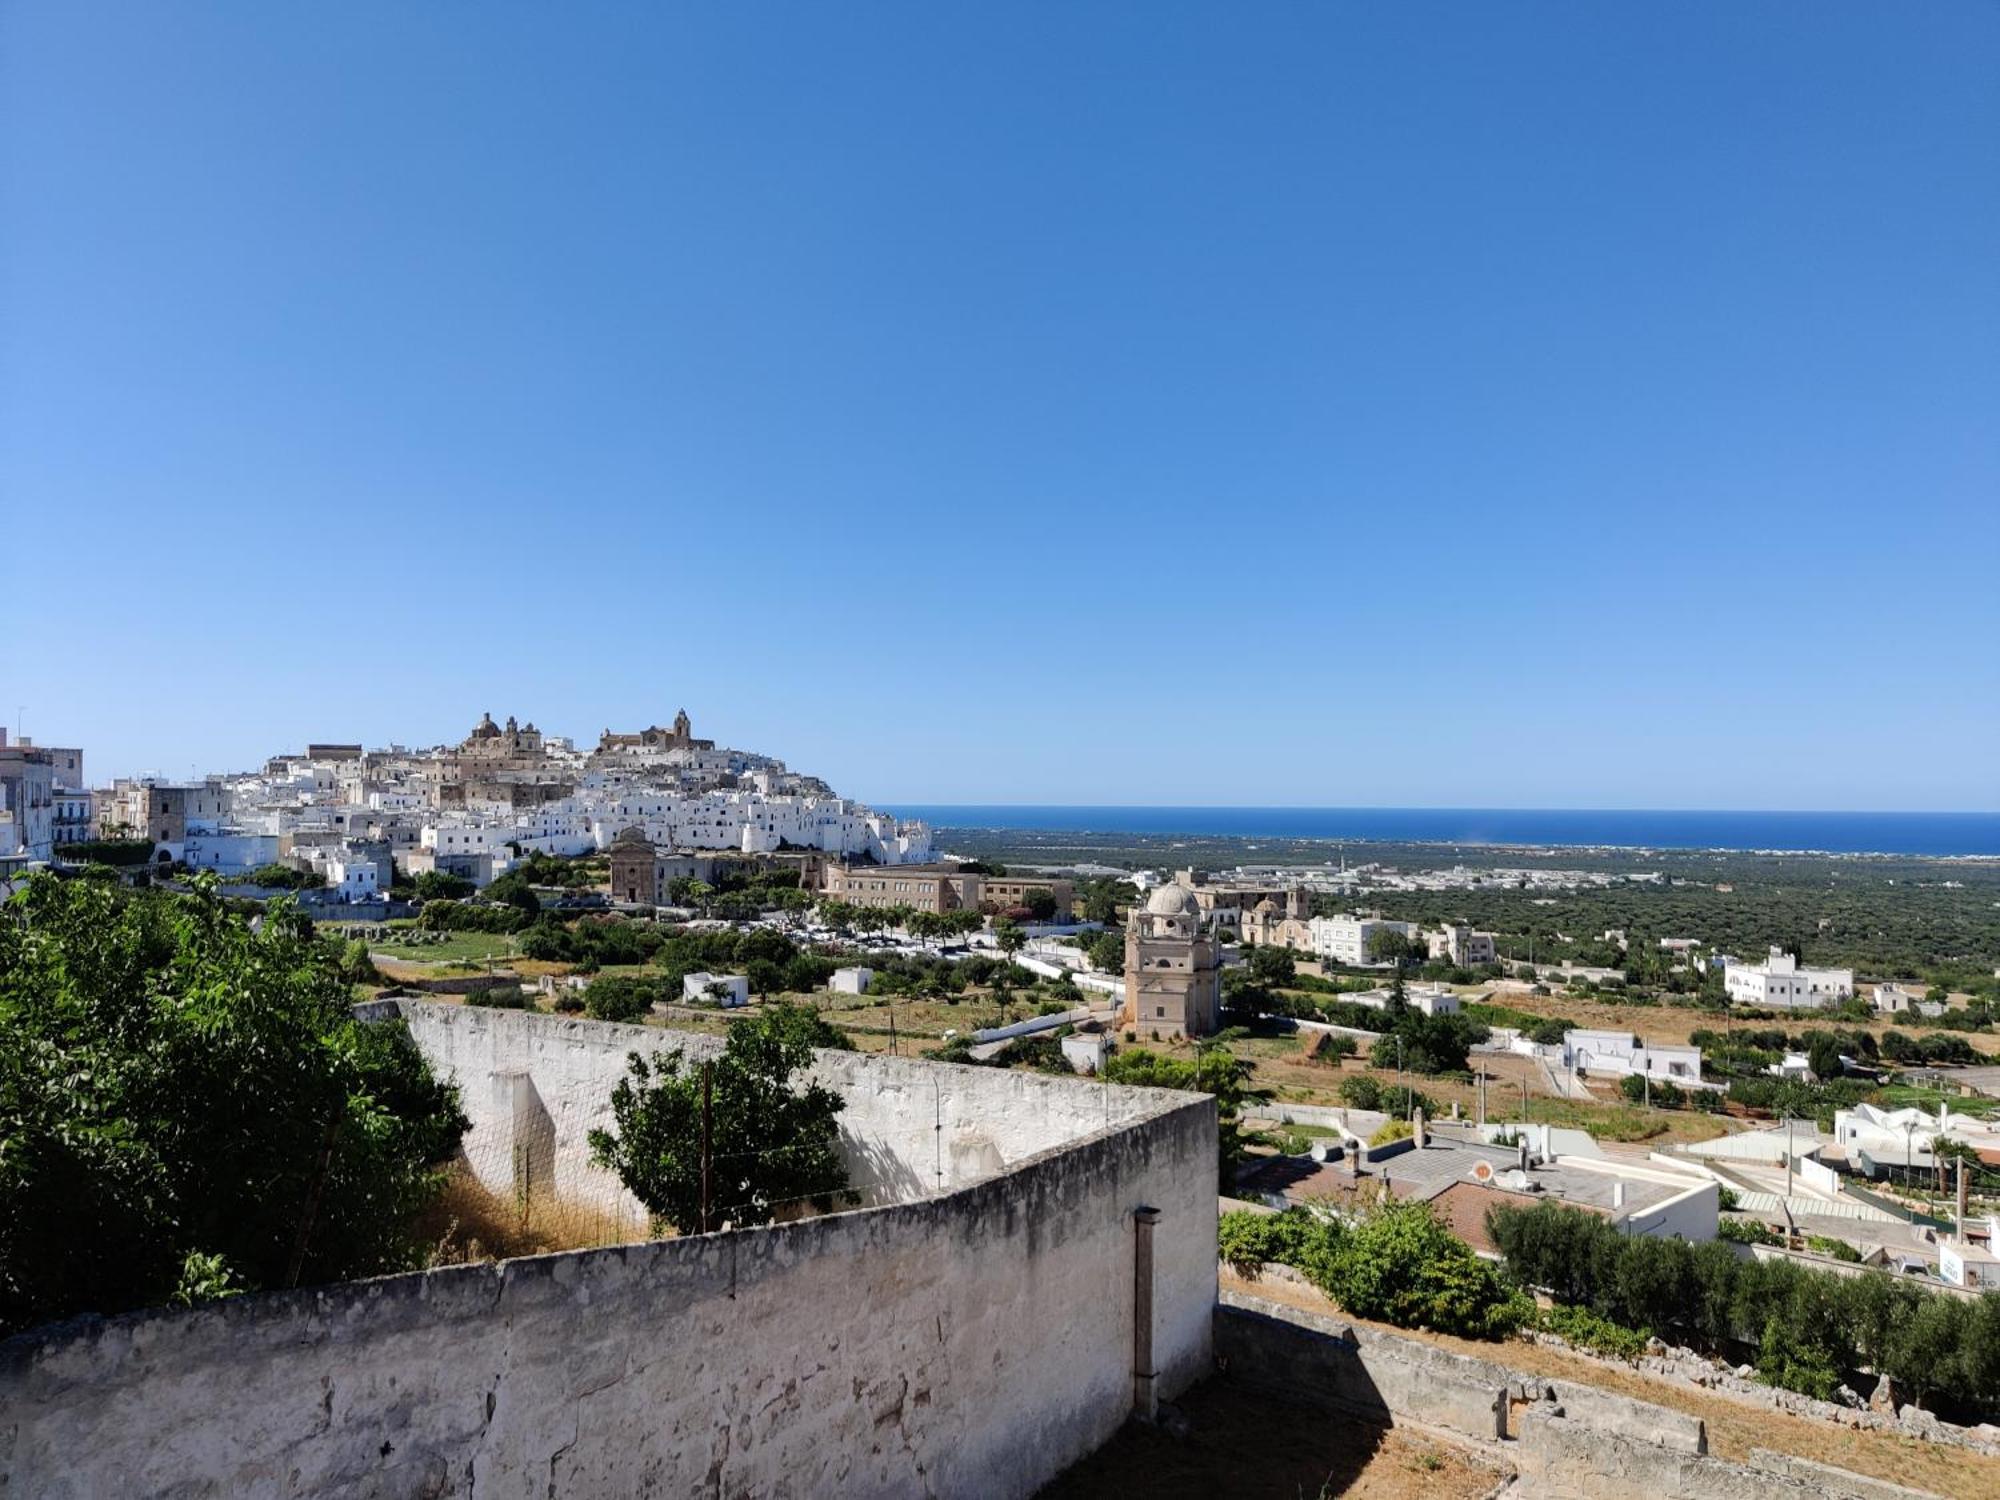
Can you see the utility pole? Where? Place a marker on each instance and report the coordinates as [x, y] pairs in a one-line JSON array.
[[1788, 1155], [707, 1101]]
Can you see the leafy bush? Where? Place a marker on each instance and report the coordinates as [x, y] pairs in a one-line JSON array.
[[1403, 1265], [467, 916], [501, 997], [173, 1086], [620, 999], [1585, 1329], [1747, 1232], [1295, 1237]]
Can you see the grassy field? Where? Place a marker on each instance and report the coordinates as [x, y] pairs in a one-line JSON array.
[[457, 947]]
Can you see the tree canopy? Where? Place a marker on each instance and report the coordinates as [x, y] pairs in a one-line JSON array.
[[188, 1107], [772, 1142]]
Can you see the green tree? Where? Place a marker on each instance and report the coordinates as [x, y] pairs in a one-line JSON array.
[[1274, 968], [187, 1106], [438, 885], [1216, 1071], [512, 889], [1041, 905], [619, 998], [772, 1142], [1403, 1264], [1107, 952]]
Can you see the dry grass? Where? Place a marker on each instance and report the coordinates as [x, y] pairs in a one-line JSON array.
[[1240, 1443], [468, 1225], [1735, 1426]]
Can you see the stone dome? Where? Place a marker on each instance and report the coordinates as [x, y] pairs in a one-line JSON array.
[[1171, 901]]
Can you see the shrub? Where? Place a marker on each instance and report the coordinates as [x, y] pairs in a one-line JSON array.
[[1295, 1237], [615, 998], [500, 997], [1585, 1329], [1401, 1264], [173, 1084]]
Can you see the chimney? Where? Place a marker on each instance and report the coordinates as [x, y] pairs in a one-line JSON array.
[[1961, 1200], [1417, 1128], [1353, 1157], [1618, 1195], [1524, 1153]]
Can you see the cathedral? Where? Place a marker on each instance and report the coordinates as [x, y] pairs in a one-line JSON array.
[[680, 737]]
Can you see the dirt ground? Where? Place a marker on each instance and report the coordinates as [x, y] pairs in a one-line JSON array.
[[1734, 1426], [1240, 1444]]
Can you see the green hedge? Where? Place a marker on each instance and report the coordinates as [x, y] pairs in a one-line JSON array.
[[1810, 1329]]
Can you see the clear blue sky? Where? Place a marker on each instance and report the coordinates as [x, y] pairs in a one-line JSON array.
[[1540, 405]]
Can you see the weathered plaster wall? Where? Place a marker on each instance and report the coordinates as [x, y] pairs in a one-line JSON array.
[[970, 1344], [534, 1087]]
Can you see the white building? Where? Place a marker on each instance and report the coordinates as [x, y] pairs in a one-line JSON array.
[[1344, 939], [1876, 1139], [851, 981], [1433, 1000], [1461, 945], [1963, 1263], [229, 853], [1619, 1053], [1779, 983], [352, 877], [716, 989]]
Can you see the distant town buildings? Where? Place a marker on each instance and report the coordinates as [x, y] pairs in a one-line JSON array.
[[1779, 983], [27, 801], [477, 808], [942, 887]]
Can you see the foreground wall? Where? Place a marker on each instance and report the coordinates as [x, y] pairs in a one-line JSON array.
[[973, 1343]]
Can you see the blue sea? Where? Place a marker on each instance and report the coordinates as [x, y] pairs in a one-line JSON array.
[[1830, 832]]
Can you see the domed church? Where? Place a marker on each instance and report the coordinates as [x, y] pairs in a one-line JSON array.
[[1173, 968]]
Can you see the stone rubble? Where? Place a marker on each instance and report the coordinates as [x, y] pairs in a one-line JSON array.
[[1881, 1412]]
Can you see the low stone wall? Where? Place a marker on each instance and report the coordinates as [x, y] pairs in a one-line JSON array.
[[974, 1342], [1568, 1459], [1567, 1440], [1290, 1352]]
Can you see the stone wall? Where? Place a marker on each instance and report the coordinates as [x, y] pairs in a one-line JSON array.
[[535, 1085], [969, 1343], [1566, 1440]]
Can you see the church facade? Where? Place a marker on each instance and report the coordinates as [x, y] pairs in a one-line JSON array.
[[680, 737]]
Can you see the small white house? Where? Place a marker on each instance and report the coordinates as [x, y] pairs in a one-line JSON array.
[[1893, 999], [1085, 1051], [853, 980], [352, 879], [718, 989]]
